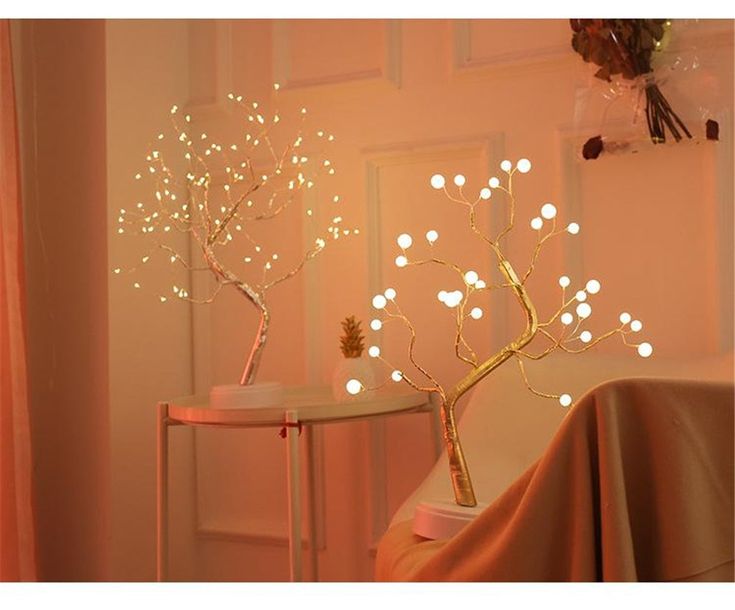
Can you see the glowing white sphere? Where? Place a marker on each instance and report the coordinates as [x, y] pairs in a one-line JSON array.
[[585, 336], [432, 236], [523, 166], [459, 180], [573, 228], [493, 183], [565, 400], [453, 298], [548, 211], [401, 261], [625, 317], [636, 325], [471, 277], [396, 376], [581, 296], [379, 301], [353, 386], [390, 293], [506, 165], [374, 351], [476, 313], [437, 181], [485, 193], [376, 324], [404, 240], [442, 296], [537, 223], [564, 281], [567, 318], [480, 284], [584, 310], [645, 350], [593, 286]]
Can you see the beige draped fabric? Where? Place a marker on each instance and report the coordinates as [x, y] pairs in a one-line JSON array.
[[17, 556], [637, 485]]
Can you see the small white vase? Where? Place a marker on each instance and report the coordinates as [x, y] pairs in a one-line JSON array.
[[353, 368]]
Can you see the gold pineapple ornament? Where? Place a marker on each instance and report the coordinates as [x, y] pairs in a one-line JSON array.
[[352, 341]]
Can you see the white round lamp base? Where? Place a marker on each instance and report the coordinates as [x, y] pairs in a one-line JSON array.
[[442, 520], [236, 396]]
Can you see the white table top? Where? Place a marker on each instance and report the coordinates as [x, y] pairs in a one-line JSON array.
[[309, 404]]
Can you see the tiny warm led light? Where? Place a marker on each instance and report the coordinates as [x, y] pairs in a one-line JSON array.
[[374, 351], [476, 313], [432, 236], [353, 386], [116, 270], [645, 350], [442, 296], [453, 298], [506, 165], [548, 211], [485, 193], [401, 261], [573, 228], [636, 325], [567, 318], [564, 281], [437, 181], [396, 376], [565, 400], [376, 324], [537, 223], [585, 336], [593, 287], [523, 166], [584, 310], [471, 277], [379, 301], [581, 296], [459, 180], [404, 240], [625, 317], [479, 284], [390, 293], [493, 183]]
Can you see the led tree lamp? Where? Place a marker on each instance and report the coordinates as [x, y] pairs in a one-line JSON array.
[[224, 192], [562, 330]]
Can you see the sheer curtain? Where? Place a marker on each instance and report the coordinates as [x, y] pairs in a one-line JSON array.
[[17, 554]]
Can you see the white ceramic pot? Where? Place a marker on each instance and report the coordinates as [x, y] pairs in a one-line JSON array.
[[353, 368]]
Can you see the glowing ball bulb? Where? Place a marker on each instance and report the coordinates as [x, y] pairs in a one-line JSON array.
[[625, 317], [506, 165], [432, 236], [374, 351], [479, 284], [493, 183], [585, 336], [584, 310], [485, 193], [376, 324], [353, 386], [581, 296], [459, 180], [593, 286], [453, 298], [379, 301], [437, 181], [442, 296], [523, 166], [567, 318], [565, 400], [390, 293], [396, 376], [548, 211], [476, 313], [404, 240], [471, 277], [537, 223], [401, 261], [636, 325], [564, 281], [645, 350], [573, 228]]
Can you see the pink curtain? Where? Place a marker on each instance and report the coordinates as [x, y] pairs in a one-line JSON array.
[[17, 546]]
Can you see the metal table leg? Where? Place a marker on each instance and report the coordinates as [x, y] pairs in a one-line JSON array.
[[294, 495], [162, 493], [310, 486]]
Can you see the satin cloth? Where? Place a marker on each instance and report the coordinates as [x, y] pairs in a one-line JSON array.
[[636, 485]]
